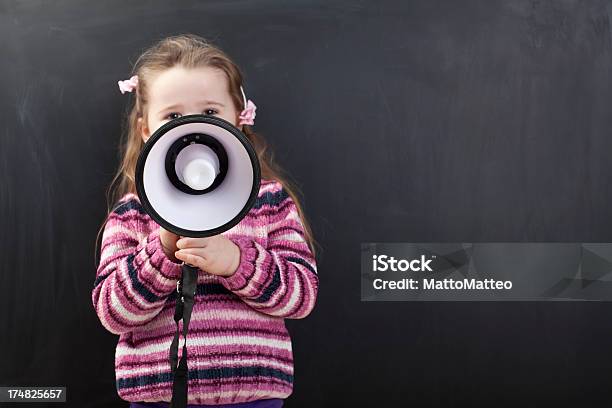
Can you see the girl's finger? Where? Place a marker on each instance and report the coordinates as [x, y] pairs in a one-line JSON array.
[[188, 242], [191, 259], [194, 251]]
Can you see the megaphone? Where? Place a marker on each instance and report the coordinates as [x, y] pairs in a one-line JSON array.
[[196, 176]]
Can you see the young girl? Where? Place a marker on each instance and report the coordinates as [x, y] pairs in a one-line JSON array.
[[251, 278]]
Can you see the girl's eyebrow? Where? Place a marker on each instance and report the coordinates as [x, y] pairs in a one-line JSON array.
[[178, 105], [212, 103]]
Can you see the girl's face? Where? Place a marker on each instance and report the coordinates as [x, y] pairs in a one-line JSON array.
[[180, 91]]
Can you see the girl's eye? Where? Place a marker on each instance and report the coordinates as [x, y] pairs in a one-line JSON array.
[[212, 111], [173, 115]]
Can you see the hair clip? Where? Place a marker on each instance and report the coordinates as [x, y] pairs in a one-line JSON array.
[[247, 116], [129, 84]]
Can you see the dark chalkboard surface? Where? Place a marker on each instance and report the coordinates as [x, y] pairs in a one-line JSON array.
[[407, 121]]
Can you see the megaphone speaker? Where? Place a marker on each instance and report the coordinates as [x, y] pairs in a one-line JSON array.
[[196, 176]]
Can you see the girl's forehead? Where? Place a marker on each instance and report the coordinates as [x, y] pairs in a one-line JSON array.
[[178, 84]]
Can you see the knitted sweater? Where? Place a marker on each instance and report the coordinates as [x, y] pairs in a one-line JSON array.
[[238, 347]]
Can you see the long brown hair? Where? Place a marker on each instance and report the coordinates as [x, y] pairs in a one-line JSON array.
[[188, 51]]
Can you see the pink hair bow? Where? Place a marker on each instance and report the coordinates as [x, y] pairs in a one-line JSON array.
[[129, 84], [247, 116]]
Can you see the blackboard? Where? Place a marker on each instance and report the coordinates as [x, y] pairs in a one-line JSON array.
[[402, 121]]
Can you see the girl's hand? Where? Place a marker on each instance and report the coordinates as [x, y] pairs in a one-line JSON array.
[[217, 255], [168, 240]]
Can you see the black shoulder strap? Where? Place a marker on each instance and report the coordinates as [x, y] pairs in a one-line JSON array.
[[186, 289]]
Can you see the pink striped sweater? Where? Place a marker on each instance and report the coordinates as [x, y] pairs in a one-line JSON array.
[[238, 347]]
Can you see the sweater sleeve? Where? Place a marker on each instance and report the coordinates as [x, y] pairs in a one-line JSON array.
[[280, 279], [134, 276]]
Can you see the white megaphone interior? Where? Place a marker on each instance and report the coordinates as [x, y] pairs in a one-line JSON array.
[[197, 165], [206, 211]]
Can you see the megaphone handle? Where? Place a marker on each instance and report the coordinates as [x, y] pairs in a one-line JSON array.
[[186, 289]]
